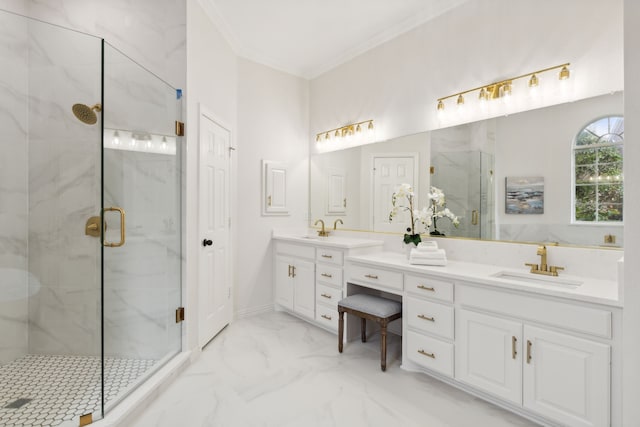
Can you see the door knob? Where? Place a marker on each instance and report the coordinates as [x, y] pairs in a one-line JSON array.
[[207, 242]]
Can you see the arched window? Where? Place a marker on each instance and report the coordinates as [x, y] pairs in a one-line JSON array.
[[597, 155]]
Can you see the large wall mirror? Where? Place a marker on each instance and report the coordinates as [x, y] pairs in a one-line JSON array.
[[509, 178]]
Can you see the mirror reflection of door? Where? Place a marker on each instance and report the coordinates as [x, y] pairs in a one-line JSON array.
[[336, 191], [389, 171]]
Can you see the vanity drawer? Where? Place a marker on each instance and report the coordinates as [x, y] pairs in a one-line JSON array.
[[329, 275], [429, 287], [430, 353], [332, 256], [375, 276], [327, 317], [430, 317], [299, 251], [328, 295]]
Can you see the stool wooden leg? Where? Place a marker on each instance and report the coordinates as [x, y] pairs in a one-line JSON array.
[[383, 346], [363, 329], [340, 330]]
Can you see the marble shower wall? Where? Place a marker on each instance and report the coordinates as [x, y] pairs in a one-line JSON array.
[[13, 187], [64, 191]]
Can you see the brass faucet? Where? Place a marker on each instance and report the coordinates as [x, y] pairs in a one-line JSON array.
[[335, 223], [548, 270], [323, 232]]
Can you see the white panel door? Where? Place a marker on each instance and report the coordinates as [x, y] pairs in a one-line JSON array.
[[304, 294], [488, 354], [567, 378], [388, 174], [215, 307]]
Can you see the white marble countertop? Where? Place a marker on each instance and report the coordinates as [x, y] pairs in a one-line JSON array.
[[330, 241], [591, 290]]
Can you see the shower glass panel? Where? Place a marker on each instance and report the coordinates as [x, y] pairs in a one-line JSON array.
[[88, 154], [50, 319], [141, 202], [466, 177]]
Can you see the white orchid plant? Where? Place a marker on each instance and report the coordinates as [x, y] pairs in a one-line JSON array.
[[425, 216]]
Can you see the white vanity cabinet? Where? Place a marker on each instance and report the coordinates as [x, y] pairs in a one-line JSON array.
[[550, 355], [309, 275], [429, 323], [329, 274], [295, 278], [558, 375]]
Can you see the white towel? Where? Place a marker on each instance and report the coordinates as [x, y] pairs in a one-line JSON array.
[[435, 254], [439, 262], [427, 246]]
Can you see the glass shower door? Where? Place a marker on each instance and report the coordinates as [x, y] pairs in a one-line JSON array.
[[141, 214]]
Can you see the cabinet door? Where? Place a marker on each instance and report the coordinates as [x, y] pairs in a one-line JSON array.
[[567, 378], [488, 354], [284, 282], [275, 188], [304, 294]]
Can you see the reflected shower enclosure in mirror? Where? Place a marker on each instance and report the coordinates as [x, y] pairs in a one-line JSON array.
[[470, 163]]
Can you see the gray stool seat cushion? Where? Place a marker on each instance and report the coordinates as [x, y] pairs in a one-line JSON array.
[[377, 306]]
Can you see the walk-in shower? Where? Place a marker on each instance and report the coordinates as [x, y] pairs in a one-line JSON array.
[[90, 225]]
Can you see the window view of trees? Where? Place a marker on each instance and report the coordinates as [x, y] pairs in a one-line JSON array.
[[598, 171]]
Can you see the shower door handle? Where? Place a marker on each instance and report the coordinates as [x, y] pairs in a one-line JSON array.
[[122, 228]]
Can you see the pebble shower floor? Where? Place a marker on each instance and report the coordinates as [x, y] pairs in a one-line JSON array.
[[61, 388]]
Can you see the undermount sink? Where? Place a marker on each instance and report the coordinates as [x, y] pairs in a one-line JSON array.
[[309, 236], [537, 279]]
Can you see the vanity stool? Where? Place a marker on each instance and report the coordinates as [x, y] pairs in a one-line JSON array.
[[378, 309]]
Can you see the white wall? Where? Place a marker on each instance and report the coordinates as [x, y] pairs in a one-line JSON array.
[[211, 82], [631, 314], [397, 84], [272, 125]]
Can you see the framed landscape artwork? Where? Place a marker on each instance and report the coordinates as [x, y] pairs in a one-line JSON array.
[[524, 195]]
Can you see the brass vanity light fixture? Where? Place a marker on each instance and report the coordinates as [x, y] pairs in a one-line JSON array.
[[344, 131], [503, 88]]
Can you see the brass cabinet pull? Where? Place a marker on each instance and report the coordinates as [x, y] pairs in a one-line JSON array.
[[371, 276], [423, 317], [326, 296], [326, 256], [326, 317], [289, 274], [424, 353], [293, 271], [122, 228], [344, 203], [529, 351], [514, 351], [474, 217], [269, 201], [426, 288], [326, 275]]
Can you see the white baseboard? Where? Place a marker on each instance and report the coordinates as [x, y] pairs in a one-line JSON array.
[[253, 311]]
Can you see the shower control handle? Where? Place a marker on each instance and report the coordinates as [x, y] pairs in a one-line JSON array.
[[207, 242]]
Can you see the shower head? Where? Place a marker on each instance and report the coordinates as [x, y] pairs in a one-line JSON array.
[[86, 114]]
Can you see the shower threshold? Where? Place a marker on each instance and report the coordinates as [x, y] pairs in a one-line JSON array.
[[46, 390]]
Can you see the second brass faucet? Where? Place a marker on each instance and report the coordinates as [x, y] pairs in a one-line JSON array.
[[543, 268]]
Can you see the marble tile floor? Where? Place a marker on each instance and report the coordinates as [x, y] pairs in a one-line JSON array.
[[61, 388], [276, 370]]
